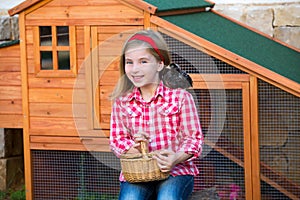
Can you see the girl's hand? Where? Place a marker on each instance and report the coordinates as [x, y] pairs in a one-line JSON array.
[[166, 160], [141, 136], [138, 138]]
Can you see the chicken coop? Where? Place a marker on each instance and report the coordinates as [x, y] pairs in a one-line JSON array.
[[55, 83]]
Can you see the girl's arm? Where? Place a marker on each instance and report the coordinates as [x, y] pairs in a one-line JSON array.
[[120, 138], [192, 137]]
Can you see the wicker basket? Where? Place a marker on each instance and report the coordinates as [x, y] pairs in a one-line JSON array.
[[141, 167]]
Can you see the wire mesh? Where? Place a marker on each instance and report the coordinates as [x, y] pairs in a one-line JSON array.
[[221, 167], [74, 175], [279, 117], [194, 61]]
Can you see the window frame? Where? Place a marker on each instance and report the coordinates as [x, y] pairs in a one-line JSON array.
[[54, 48]]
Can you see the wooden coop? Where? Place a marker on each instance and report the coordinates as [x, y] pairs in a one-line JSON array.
[[55, 85]]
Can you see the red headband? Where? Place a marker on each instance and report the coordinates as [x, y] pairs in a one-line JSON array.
[[149, 41]]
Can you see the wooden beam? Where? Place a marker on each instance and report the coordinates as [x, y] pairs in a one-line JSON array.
[[25, 100], [142, 5], [247, 140], [70, 143], [95, 101], [88, 75], [147, 23], [24, 5], [255, 138]]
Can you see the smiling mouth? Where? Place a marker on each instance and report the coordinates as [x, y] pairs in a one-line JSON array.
[[137, 78]]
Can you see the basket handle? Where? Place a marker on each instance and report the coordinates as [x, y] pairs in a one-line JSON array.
[[144, 149]]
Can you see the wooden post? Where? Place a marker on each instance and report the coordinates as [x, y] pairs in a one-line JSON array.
[[26, 137], [247, 140], [255, 138]]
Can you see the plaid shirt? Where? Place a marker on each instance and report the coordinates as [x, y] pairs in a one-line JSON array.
[[170, 118]]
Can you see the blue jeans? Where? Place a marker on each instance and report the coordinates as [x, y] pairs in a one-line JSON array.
[[173, 188]]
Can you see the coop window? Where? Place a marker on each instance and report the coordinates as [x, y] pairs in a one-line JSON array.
[[55, 51]]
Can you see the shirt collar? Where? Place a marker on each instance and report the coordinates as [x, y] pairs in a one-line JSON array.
[[136, 94]]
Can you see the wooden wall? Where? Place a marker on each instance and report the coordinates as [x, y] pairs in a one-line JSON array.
[[10, 87], [61, 109]]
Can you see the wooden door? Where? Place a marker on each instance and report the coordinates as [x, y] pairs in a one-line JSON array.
[[224, 110]]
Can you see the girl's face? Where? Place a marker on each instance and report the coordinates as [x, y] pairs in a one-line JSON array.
[[142, 68]]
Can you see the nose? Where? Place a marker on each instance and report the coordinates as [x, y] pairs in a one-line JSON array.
[[135, 67]]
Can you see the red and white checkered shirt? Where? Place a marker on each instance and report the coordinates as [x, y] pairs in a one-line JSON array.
[[170, 118]]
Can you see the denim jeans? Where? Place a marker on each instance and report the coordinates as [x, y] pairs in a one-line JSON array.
[[173, 188]]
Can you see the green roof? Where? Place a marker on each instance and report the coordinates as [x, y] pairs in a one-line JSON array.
[[242, 41], [233, 37], [9, 43], [171, 5]]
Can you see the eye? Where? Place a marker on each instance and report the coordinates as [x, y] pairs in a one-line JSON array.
[[128, 62], [144, 61]]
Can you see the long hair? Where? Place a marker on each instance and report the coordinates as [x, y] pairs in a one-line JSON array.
[[150, 40]]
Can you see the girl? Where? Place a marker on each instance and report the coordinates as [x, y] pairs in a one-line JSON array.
[[145, 109]]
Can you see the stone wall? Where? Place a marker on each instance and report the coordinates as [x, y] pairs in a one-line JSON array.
[[9, 28], [279, 20]]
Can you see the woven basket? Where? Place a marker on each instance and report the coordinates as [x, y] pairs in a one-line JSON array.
[[141, 167]]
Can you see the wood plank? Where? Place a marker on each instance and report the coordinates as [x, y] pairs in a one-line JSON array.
[[10, 92], [105, 92], [11, 121], [72, 147], [109, 78], [82, 3], [86, 12], [21, 7], [11, 106], [10, 79], [68, 140], [51, 82], [95, 101], [143, 5], [247, 140], [58, 123], [10, 64], [105, 119], [57, 95], [89, 34], [73, 50], [112, 29], [255, 138], [108, 63], [106, 106], [70, 132], [26, 140], [12, 51], [80, 36], [86, 21], [58, 110]]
